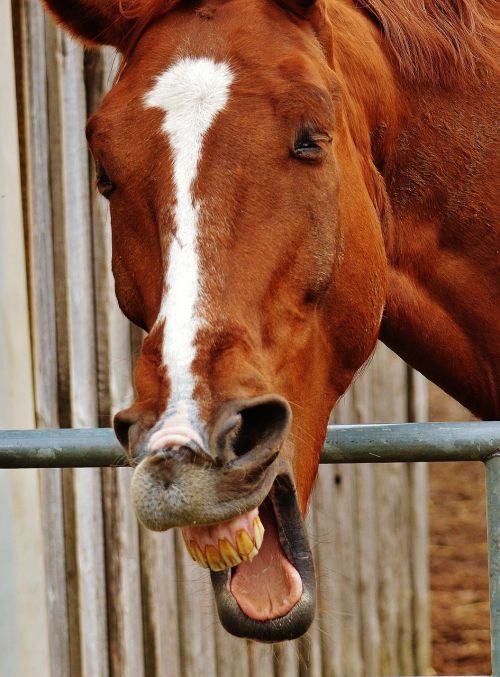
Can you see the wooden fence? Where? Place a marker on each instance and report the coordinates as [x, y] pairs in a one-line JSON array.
[[126, 602]]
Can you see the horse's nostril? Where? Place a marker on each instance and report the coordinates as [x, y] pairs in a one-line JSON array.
[[247, 424], [122, 423]]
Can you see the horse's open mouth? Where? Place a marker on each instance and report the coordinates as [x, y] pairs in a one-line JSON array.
[[261, 567]]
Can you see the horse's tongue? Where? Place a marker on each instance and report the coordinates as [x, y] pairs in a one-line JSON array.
[[268, 586]]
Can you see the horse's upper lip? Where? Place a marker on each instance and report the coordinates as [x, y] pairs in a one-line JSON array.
[[179, 488]]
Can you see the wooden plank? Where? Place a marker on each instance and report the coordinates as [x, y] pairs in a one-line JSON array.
[[160, 607], [32, 627], [24, 621], [78, 236], [232, 653], [260, 660], [405, 621], [96, 86], [16, 384], [29, 31], [8, 630], [310, 644], [72, 226], [390, 405], [123, 576], [38, 211], [51, 488], [196, 617], [368, 570], [366, 530], [418, 412], [286, 659], [348, 567], [114, 387], [328, 571], [91, 578]]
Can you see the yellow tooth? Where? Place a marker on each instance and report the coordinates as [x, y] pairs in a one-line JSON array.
[[198, 555], [190, 551], [252, 554], [214, 558], [229, 554], [258, 529], [245, 545]]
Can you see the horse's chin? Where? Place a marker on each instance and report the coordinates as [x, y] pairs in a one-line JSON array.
[[272, 597]]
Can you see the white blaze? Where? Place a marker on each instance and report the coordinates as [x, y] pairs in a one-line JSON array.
[[191, 92]]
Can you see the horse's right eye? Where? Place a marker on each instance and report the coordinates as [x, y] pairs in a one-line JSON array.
[[104, 184]]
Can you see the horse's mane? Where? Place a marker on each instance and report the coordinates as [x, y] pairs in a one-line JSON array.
[[432, 40], [438, 41]]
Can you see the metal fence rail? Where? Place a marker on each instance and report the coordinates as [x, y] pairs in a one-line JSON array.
[[407, 442]]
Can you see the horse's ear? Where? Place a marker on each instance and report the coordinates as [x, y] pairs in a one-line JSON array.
[[98, 22]]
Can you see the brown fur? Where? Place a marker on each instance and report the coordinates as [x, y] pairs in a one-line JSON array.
[[303, 258]]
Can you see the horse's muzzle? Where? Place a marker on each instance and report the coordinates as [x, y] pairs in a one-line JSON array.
[[184, 485], [265, 591]]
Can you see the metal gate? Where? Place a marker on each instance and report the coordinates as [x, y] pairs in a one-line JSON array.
[[410, 442]]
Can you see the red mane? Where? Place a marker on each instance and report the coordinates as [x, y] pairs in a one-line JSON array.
[[438, 40]]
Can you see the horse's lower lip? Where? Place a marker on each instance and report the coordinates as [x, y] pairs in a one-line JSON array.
[[294, 542]]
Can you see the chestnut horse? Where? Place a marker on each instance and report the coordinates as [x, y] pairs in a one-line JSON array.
[[288, 180]]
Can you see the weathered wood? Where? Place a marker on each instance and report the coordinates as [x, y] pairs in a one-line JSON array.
[[91, 577], [78, 277], [286, 660], [30, 618], [72, 576], [348, 571], [123, 576], [368, 569], [260, 660], [196, 617], [35, 155], [328, 570], [37, 198], [162, 652], [231, 652], [51, 496], [114, 386], [309, 645], [390, 404], [419, 529], [24, 621], [366, 529], [76, 337]]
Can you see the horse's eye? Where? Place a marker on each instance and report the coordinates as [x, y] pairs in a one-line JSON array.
[[308, 145], [104, 184]]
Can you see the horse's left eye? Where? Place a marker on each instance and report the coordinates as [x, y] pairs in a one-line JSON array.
[[104, 184], [307, 146]]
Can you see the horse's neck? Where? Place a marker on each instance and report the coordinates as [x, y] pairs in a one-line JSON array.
[[443, 306], [435, 152]]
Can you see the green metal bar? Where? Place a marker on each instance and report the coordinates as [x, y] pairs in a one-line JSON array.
[[493, 494], [87, 447], [60, 448], [411, 442]]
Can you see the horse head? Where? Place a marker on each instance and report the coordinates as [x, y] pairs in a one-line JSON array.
[[247, 243]]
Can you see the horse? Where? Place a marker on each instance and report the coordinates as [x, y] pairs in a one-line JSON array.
[[288, 180]]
